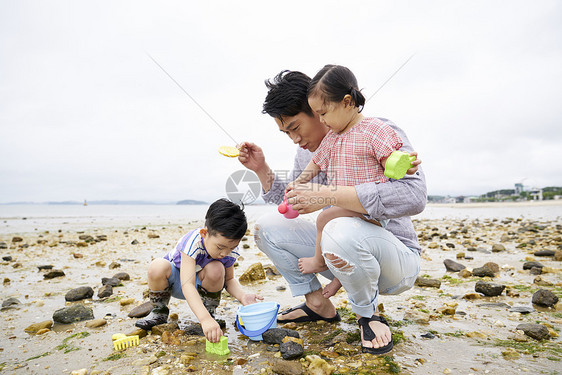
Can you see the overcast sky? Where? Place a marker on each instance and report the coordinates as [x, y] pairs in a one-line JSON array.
[[85, 113]]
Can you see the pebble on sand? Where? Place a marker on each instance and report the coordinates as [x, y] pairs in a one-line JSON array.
[[80, 293], [544, 297], [426, 282], [489, 289], [254, 273], [141, 311], [53, 274], [453, 266], [95, 323], [536, 331], [75, 313], [35, 327]]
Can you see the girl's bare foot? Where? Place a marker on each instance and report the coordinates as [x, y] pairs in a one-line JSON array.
[[331, 289], [311, 265]]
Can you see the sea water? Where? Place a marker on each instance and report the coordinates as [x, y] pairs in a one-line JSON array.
[[27, 218]]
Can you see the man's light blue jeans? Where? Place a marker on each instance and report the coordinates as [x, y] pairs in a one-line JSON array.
[[375, 260]]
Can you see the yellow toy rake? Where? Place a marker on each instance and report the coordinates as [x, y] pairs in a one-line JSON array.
[[121, 341]]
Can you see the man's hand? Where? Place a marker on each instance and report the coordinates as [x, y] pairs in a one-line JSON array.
[[307, 198], [252, 157], [211, 329], [249, 298]]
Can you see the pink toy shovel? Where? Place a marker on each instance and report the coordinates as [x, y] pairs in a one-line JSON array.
[[287, 210]]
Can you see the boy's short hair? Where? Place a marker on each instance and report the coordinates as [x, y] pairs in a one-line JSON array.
[[287, 95], [227, 219]]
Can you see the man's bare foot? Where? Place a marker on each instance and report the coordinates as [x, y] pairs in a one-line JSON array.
[[315, 302], [311, 265], [331, 289], [382, 333]]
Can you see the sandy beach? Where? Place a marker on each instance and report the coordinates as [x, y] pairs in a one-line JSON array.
[[500, 204], [445, 327]]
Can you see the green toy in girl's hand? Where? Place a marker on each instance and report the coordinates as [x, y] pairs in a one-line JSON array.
[[398, 164]]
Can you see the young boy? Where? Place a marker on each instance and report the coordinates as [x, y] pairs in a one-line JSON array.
[[198, 268]]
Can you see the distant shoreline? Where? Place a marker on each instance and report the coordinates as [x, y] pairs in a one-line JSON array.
[[200, 203], [109, 203], [498, 204]]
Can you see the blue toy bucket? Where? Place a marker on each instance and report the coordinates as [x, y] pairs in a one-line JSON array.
[[257, 318]]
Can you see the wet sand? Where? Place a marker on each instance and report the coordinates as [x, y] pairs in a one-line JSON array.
[[476, 339]]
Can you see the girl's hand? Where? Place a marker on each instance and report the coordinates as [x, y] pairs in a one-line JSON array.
[[415, 163], [249, 298], [251, 156], [291, 186], [307, 198], [211, 329]]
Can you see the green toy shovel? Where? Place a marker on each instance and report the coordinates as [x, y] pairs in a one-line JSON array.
[[398, 164], [220, 348]]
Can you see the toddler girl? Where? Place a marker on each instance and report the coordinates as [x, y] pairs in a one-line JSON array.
[[353, 152]]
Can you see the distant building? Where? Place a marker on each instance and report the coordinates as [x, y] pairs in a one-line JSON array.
[[536, 194], [519, 188]]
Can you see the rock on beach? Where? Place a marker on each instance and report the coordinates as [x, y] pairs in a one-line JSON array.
[[497, 248], [10, 303], [122, 276], [536, 331], [275, 336], [80, 293], [72, 314], [53, 274], [489, 289], [110, 281], [35, 327], [287, 367], [544, 253], [141, 311], [532, 264], [254, 273], [426, 282], [483, 271], [453, 266], [544, 297], [291, 350], [95, 323], [105, 291]]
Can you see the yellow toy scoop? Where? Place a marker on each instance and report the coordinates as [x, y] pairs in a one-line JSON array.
[[121, 341], [229, 151]]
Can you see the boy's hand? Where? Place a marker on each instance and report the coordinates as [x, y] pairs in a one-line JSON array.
[[415, 163], [249, 298], [211, 329], [251, 156]]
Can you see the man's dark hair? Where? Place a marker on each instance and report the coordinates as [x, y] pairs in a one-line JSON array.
[[334, 82], [227, 219], [287, 95]]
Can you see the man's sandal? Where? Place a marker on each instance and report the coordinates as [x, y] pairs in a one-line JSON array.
[[310, 316], [369, 335]]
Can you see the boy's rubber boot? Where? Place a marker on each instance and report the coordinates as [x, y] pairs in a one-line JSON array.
[[160, 311], [210, 299]]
